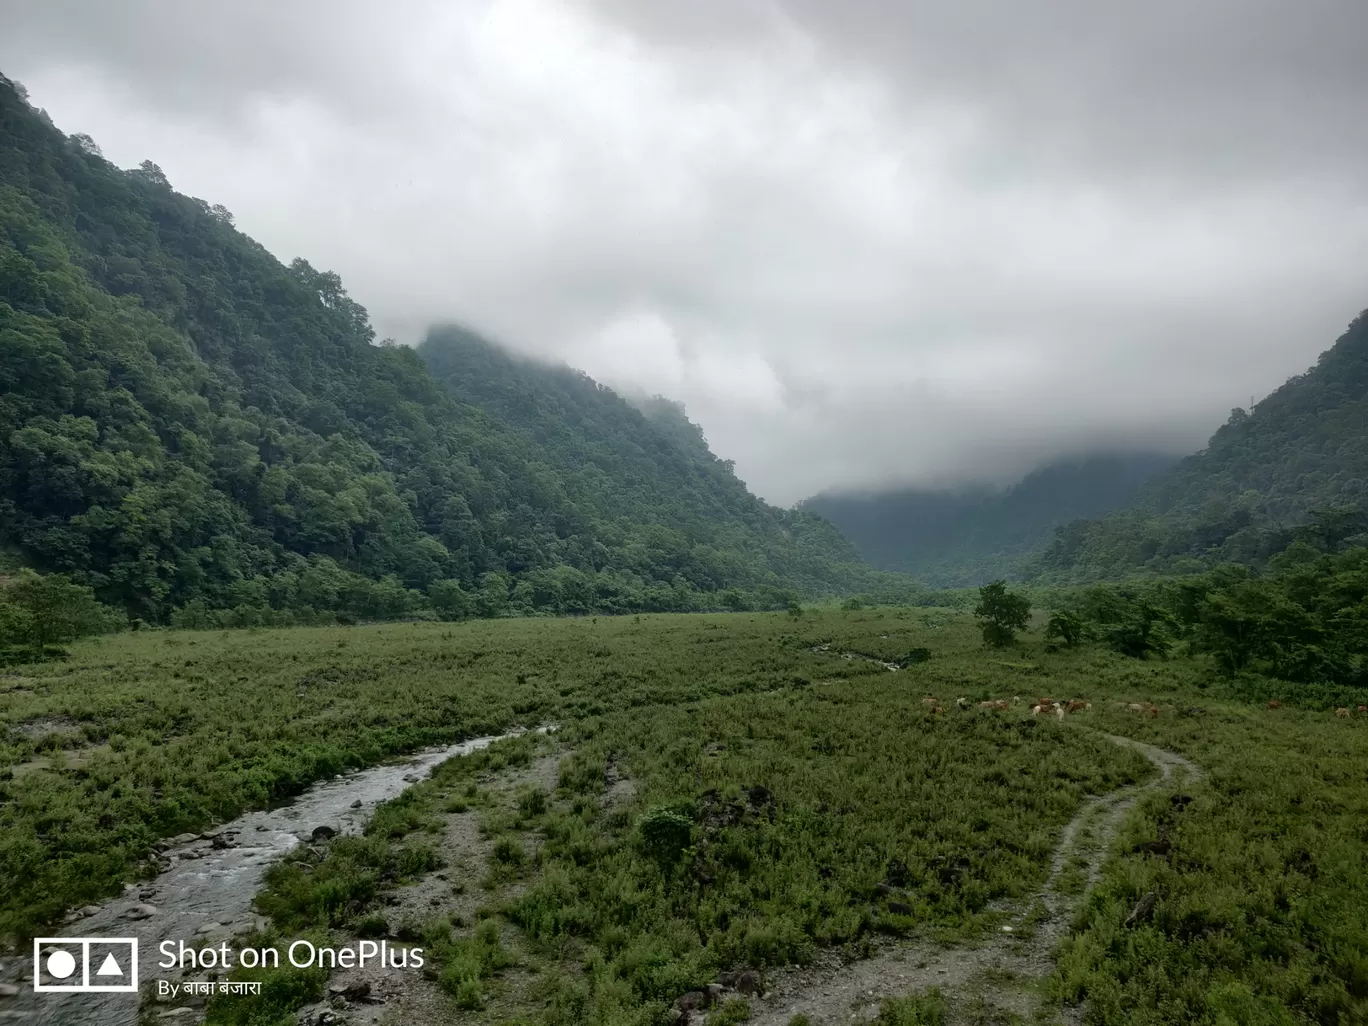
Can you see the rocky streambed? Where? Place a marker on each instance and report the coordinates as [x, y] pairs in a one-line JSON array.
[[203, 896]]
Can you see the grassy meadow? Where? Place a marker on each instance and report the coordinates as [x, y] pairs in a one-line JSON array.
[[784, 799]]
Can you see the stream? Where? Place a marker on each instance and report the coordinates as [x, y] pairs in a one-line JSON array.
[[205, 896]]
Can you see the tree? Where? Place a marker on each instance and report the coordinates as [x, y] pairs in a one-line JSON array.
[[153, 173], [1002, 614], [449, 600], [57, 609], [1145, 630], [16, 625], [1065, 626]]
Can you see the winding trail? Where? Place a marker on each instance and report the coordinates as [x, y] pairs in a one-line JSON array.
[[1000, 969]]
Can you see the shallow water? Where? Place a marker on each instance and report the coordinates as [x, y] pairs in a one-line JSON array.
[[211, 889]]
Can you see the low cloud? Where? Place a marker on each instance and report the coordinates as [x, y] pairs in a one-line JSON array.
[[864, 243]]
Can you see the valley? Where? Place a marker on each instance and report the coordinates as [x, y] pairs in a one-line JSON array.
[[723, 794], [502, 695]]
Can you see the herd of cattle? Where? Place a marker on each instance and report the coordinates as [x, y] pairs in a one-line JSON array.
[[1343, 712], [1062, 708], [1043, 705]]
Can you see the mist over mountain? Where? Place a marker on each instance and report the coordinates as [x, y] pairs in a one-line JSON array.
[[189, 425], [966, 537], [1294, 467]]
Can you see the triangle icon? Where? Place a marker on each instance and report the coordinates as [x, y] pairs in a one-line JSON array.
[[109, 967]]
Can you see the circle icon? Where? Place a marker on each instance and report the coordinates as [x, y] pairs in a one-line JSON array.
[[61, 964]]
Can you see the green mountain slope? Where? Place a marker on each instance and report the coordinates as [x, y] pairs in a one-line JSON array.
[[953, 539], [185, 422], [1295, 467]]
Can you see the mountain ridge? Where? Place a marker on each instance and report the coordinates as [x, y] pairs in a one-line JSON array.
[[972, 536], [189, 423], [1296, 466]]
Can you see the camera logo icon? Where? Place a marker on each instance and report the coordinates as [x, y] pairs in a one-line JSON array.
[[85, 965]]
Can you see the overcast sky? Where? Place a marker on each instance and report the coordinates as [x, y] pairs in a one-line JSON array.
[[865, 242]]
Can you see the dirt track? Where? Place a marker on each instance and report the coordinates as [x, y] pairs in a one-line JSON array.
[[998, 974]]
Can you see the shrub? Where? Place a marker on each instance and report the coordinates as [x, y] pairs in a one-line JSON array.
[[509, 851], [665, 833]]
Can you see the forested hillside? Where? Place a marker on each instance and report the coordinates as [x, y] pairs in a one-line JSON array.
[[954, 539], [1292, 470], [188, 425]]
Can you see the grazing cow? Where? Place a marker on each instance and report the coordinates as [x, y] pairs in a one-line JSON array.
[[1273, 703], [928, 700], [1363, 708], [1135, 707], [1035, 710], [1342, 712], [1077, 705], [1151, 709], [1059, 711], [962, 702], [1000, 703]]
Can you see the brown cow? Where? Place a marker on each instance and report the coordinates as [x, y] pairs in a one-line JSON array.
[[1273, 703]]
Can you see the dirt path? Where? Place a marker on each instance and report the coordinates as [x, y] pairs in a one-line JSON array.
[[996, 976]]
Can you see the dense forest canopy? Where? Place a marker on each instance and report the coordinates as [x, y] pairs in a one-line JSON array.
[[187, 425], [1292, 471], [953, 539]]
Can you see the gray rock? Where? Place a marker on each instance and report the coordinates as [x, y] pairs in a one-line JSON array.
[[322, 833], [356, 804], [693, 999], [1144, 908], [748, 983], [8, 990], [185, 839], [141, 912]]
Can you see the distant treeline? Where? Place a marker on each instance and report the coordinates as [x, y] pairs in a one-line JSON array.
[[1304, 620]]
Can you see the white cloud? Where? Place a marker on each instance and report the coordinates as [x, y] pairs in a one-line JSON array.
[[852, 266]]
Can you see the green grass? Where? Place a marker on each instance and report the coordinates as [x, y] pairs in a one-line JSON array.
[[1262, 909]]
